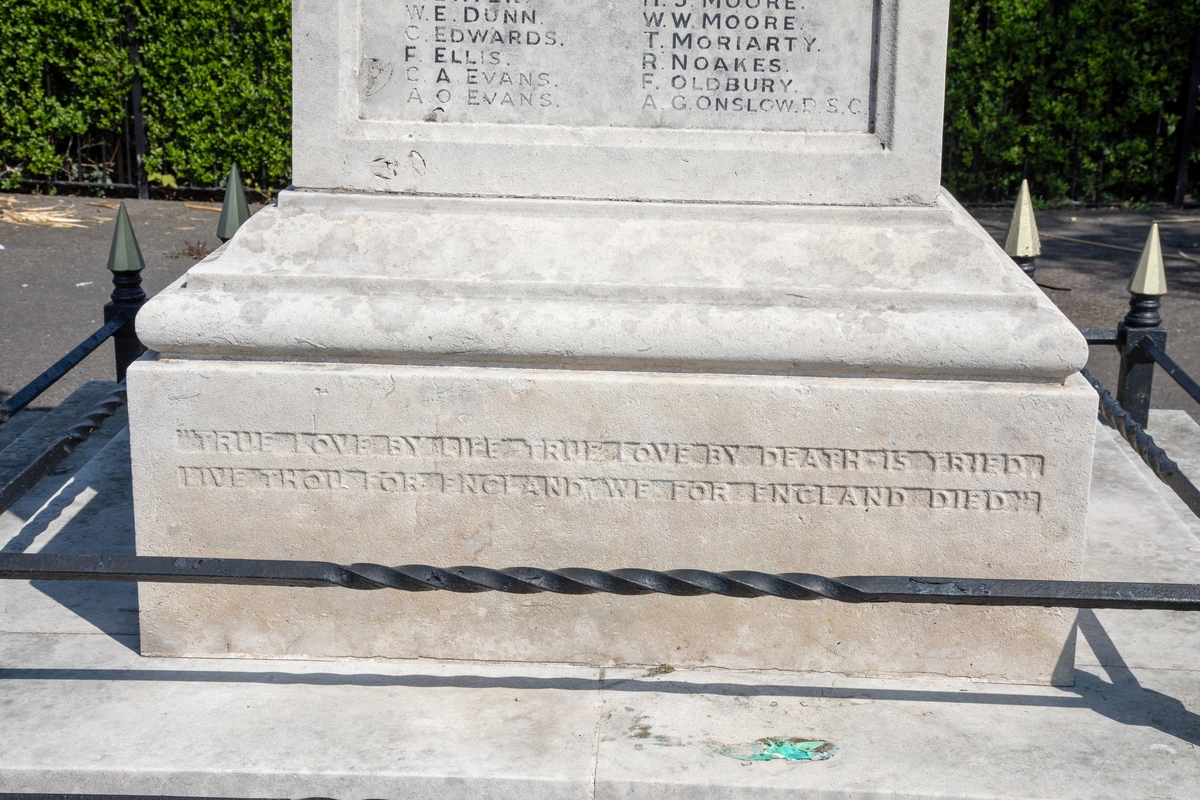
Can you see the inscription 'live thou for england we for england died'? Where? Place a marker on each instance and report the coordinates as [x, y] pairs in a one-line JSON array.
[[785, 65]]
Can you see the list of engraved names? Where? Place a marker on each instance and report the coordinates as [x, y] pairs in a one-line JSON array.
[[690, 64]]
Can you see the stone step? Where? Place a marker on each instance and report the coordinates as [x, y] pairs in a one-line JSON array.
[[17, 425], [1178, 434], [82, 708], [37, 436], [89, 511]]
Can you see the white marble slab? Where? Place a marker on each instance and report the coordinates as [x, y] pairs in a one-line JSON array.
[[915, 292]]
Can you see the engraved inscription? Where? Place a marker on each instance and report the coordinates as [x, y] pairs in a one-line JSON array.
[[559, 487], [685, 64], [775, 457], [611, 470]]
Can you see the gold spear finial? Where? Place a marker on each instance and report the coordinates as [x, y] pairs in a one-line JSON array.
[[1023, 241], [1150, 277]]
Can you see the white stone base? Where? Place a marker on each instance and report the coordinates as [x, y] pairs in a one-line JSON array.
[[80, 711], [574, 468]]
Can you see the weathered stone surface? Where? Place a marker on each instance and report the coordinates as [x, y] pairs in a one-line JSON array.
[[83, 713], [701, 100], [559, 468], [919, 292], [814, 362]]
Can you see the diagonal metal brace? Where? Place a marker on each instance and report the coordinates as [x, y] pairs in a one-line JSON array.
[[1169, 366], [1163, 467], [531, 580], [60, 368]]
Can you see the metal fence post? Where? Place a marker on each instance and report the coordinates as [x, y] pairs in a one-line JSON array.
[[1022, 243], [135, 103], [126, 264], [1142, 323]]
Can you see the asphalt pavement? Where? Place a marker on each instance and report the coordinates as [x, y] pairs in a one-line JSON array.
[[53, 281]]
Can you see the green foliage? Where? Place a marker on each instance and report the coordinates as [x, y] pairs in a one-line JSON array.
[[216, 78], [62, 68], [217, 82], [1082, 97]]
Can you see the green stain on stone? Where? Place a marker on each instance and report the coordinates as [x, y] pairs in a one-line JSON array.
[[781, 750]]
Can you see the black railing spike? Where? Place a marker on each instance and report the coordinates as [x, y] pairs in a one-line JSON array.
[[124, 254], [1143, 323], [1147, 285], [234, 210], [1022, 243]]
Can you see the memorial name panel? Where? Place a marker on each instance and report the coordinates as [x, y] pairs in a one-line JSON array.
[[787, 65]]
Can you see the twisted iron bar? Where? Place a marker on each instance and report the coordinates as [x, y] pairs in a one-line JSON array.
[[63, 446], [531, 580], [1165, 469]]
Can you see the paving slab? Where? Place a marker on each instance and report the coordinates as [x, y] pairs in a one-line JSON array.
[[89, 510], [253, 729], [18, 424], [1179, 435], [82, 712], [917, 740]]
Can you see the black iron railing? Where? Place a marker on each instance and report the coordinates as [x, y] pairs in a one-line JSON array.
[[34, 389], [1163, 467], [1141, 339], [120, 324], [1185, 381], [120, 321], [628, 582]]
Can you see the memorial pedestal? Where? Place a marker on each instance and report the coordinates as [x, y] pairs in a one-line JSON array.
[[579, 384], [575, 283]]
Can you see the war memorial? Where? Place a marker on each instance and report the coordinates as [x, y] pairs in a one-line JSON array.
[[655, 284], [599, 321]]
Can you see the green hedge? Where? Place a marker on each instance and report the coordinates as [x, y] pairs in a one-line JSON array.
[[63, 74], [216, 80], [218, 87], [1083, 97]]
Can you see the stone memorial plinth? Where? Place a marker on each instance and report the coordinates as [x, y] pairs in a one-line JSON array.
[[615, 283]]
